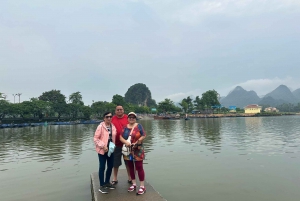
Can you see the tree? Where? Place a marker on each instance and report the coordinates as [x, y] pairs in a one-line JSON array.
[[141, 109], [198, 103], [210, 98], [57, 100], [53, 96], [101, 107], [184, 105], [118, 100], [76, 98], [40, 108], [73, 109], [86, 111], [129, 107], [4, 108], [26, 109], [138, 94], [167, 106], [151, 103], [189, 104]]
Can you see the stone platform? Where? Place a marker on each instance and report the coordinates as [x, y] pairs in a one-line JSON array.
[[121, 193]]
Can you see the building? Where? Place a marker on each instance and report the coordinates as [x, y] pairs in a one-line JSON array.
[[232, 109], [271, 109], [252, 109]]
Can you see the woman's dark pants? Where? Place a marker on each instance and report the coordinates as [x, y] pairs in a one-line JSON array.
[[102, 162]]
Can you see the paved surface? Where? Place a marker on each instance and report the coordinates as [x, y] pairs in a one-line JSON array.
[[121, 193]]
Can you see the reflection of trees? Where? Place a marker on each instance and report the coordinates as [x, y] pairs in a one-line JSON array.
[[245, 130], [4, 144], [166, 129], [76, 139], [148, 127], [49, 143], [46, 143], [189, 132], [209, 129]]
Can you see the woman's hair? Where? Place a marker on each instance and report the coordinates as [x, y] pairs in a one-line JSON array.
[[106, 113]]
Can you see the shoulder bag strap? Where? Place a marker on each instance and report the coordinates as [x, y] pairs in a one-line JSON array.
[[129, 137]]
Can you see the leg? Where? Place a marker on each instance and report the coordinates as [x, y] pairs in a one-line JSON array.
[[102, 161], [117, 162], [128, 171], [115, 175], [140, 169], [131, 169], [132, 175], [141, 173], [110, 163]]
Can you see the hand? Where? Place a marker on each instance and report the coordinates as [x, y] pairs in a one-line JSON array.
[[127, 144], [105, 149]]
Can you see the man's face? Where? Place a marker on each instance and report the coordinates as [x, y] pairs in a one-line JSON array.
[[119, 111]]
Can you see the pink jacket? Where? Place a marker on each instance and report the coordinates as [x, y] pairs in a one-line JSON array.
[[102, 135]]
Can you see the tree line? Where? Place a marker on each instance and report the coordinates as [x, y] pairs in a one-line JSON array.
[[54, 104]]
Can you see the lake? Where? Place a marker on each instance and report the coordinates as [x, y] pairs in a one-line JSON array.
[[254, 158]]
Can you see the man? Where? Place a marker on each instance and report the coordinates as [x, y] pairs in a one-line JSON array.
[[119, 120]]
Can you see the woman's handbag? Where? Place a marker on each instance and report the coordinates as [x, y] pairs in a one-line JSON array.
[[111, 148], [111, 145], [126, 150]]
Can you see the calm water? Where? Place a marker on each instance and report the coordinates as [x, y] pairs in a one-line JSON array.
[[209, 159]]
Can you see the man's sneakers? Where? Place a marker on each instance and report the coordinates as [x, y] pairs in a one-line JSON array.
[[103, 189]]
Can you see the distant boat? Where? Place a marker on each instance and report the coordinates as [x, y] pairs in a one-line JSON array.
[[91, 122], [162, 117]]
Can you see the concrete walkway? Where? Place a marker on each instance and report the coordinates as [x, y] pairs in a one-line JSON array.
[[121, 193]]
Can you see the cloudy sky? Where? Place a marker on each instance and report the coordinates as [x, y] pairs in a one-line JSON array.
[[176, 47]]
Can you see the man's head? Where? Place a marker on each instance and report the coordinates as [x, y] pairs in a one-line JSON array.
[[119, 111]]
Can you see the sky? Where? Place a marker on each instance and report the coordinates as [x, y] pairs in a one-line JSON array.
[[177, 48]]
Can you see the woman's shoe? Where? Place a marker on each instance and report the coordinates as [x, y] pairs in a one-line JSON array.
[[142, 190], [131, 188], [114, 182], [110, 186]]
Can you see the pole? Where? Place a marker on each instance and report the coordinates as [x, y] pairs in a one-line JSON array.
[[14, 97], [19, 94]]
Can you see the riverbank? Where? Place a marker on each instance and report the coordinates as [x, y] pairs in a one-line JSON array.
[[238, 115], [20, 125]]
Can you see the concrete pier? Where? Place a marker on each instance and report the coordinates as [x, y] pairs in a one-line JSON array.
[[121, 193]]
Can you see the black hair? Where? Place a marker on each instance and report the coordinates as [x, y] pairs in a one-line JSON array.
[[106, 113], [119, 105]]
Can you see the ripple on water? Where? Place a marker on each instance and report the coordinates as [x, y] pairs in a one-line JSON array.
[[49, 150]]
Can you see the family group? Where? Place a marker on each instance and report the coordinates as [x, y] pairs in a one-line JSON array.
[[112, 135]]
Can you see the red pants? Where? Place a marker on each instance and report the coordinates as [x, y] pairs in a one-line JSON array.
[[139, 168]]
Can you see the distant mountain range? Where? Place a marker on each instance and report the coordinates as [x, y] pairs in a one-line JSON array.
[[240, 97]]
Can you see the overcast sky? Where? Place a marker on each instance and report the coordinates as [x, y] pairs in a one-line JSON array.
[[177, 48]]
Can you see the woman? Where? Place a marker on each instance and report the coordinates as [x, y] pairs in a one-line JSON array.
[[137, 154], [105, 134]]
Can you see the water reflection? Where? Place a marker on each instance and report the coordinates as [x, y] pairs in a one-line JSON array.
[[51, 143], [56, 143], [53, 151]]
